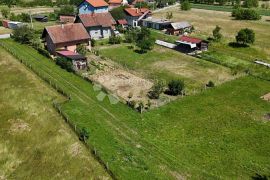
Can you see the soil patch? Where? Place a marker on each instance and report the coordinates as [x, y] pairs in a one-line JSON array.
[[75, 149], [18, 126], [266, 97]]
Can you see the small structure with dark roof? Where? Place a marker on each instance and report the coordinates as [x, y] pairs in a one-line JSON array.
[[155, 23], [40, 18], [179, 28], [190, 44], [79, 61], [65, 37], [135, 15], [98, 25], [93, 6]]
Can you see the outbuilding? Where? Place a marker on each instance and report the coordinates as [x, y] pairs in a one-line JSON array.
[[188, 44], [40, 18], [179, 28], [14, 24], [79, 61], [154, 23]]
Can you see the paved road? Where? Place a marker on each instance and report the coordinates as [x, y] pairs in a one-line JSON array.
[[4, 36]]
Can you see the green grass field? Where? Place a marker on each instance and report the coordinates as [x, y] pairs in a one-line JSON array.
[[218, 134], [35, 141], [165, 64]]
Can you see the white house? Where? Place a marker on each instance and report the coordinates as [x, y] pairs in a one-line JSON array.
[[135, 15]]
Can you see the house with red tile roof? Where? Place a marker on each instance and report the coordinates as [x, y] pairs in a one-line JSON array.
[[65, 37], [93, 6], [135, 15], [98, 25]]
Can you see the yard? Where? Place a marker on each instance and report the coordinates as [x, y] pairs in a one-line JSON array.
[[165, 64], [205, 21], [222, 133], [35, 141]]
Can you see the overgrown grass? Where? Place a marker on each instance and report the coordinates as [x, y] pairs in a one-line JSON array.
[[219, 133], [35, 141]]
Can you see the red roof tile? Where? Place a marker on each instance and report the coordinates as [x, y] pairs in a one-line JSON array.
[[67, 19], [136, 11], [115, 1], [97, 3], [190, 39], [97, 19], [66, 33], [122, 21]]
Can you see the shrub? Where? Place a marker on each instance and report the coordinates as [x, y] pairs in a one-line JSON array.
[[5, 12], [250, 3], [93, 42], [185, 5], [81, 49], [175, 87], [156, 90], [210, 84], [23, 34], [245, 36], [216, 33], [115, 40], [65, 63], [245, 14], [84, 134]]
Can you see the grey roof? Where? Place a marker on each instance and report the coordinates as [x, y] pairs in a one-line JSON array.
[[180, 25]]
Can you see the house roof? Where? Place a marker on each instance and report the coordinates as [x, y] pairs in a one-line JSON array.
[[66, 19], [190, 39], [66, 33], [70, 55], [156, 20], [115, 1], [97, 3], [180, 25], [122, 21], [39, 16], [135, 12], [97, 19]]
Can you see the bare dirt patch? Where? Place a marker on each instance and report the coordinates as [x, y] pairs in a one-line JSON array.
[[18, 126], [75, 149], [266, 97], [124, 84]]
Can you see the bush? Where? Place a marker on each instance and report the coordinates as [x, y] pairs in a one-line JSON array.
[[84, 134], [245, 14], [65, 63], [23, 34], [115, 40], [250, 3], [5, 12], [175, 87], [156, 90], [185, 5], [93, 42], [210, 84], [245, 36], [216, 33], [81, 49]]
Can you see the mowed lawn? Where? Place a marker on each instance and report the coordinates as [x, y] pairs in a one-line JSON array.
[[35, 142], [166, 64], [221, 133], [205, 21]]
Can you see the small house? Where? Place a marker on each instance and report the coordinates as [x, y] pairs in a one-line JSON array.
[[117, 3], [134, 16], [93, 6], [65, 37], [67, 19], [98, 25], [154, 23], [79, 61], [190, 44], [40, 18], [179, 28]]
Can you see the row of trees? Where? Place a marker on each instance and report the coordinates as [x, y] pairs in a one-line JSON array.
[[245, 3], [33, 3], [245, 14]]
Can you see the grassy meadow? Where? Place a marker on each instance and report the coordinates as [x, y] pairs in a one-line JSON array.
[[220, 133], [205, 21], [165, 64], [35, 141]]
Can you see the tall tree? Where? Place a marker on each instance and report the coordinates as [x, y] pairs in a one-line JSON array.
[[245, 36]]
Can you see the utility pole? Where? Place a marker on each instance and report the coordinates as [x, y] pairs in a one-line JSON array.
[[31, 19]]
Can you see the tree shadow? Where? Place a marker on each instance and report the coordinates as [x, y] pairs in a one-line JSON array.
[[259, 177], [139, 51], [238, 45]]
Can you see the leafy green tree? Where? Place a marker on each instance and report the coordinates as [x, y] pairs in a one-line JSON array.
[[66, 10], [5, 12], [81, 49], [23, 34], [144, 40], [115, 40], [131, 35], [118, 13], [9, 3], [141, 5], [185, 5], [245, 14], [250, 3], [216, 33], [245, 36], [176, 87], [65, 63]]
